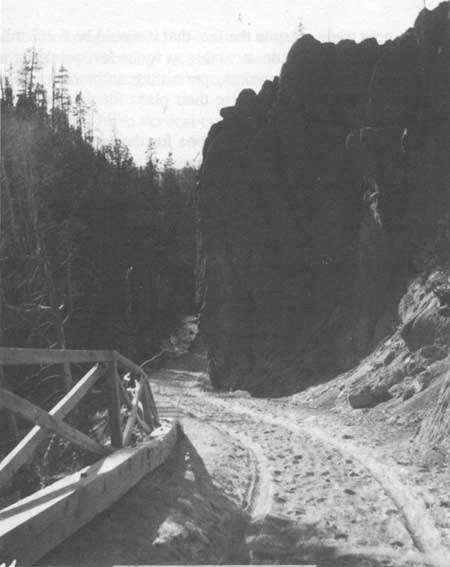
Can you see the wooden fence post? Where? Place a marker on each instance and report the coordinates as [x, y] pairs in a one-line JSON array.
[[151, 402], [115, 422], [148, 415]]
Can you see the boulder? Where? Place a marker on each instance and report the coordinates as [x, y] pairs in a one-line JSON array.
[[239, 394], [427, 328], [432, 353], [369, 396]]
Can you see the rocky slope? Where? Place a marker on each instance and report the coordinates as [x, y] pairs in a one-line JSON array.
[[324, 212]]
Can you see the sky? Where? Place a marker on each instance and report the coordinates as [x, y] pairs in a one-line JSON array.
[[162, 69]]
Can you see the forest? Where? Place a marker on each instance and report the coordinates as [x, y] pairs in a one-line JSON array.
[[95, 251]]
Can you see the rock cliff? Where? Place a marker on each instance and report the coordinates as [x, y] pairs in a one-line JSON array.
[[320, 198]]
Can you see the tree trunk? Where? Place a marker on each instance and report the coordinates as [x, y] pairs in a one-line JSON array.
[[13, 431], [57, 318]]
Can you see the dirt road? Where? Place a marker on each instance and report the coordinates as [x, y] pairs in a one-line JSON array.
[[330, 500], [264, 481]]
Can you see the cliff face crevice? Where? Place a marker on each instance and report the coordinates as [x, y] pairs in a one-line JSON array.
[[316, 198]]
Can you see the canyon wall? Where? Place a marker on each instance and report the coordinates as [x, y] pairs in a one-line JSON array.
[[318, 199]]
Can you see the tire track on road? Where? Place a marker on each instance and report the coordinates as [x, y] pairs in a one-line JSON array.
[[418, 522], [260, 491]]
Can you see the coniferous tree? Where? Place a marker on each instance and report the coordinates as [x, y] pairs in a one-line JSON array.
[[80, 112], [27, 75], [7, 94], [95, 252], [60, 98]]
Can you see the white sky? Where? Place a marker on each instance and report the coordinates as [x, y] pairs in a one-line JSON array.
[[164, 68]]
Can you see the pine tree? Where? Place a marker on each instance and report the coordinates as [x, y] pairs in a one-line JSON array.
[[27, 74], [118, 154], [80, 112], [152, 163], [7, 94], [60, 98], [41, 99]]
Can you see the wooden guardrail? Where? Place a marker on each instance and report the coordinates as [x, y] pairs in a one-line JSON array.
[[142, 408]]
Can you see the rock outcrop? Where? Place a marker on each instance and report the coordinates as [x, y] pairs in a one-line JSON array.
[[435, 431], [317, 198]]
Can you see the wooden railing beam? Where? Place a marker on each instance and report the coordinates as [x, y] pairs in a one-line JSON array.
[[26, 447], [32, 527], [34, 414], [115, 421], [149, 415], [133, 414], [128, 364], [15, 356], [143, 408], [151, 405]]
